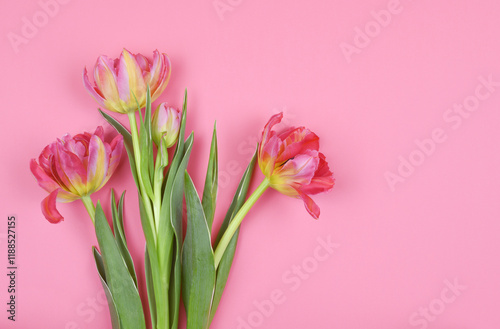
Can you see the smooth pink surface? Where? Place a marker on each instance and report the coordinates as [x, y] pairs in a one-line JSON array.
[[395, 253]]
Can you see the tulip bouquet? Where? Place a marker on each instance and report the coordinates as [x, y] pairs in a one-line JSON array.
[[177, 263]]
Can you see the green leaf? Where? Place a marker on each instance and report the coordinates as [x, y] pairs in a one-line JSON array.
[[198, 268], [171, 219], [120, 234], [127, 141], [120, 283], [211, 182], [150, 287], [165, 223], [175, 203], [115, 319], [227, 258]]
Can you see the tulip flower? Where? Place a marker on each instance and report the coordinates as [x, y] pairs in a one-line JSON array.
[[120, 85], [166, 124], [72, 168], [292, 164]]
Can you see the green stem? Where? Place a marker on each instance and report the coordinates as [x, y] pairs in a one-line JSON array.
[[89, 205], [236, 221], [157, 182], [152, 208], [137, 156]]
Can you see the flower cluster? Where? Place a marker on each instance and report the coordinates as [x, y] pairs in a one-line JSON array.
[[74, 167]]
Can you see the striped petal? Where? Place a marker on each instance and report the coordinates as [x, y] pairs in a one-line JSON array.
[[267, 132], [71, 170], [116, 146], [105, 79], [49, 208], [297, 141], [267, 156], [97, 166], [43, 159], [294, 173], [159, 74], [93, 90], [131, 85]]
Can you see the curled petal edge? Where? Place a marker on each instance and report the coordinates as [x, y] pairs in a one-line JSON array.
[[49, 209]]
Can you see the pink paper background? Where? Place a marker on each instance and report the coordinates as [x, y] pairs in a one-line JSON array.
[[397, 251]]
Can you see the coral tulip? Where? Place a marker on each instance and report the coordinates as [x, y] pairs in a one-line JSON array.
[[292, 163], [72, 168]]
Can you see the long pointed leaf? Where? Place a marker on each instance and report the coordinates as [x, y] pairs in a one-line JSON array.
[[120, 234], [227, 258], [165, 224], [120, 283], [171, 220], [211, 182], [175, 214], [198, 268], [115, 319]]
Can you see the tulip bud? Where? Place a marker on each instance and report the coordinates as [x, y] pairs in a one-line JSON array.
[[166, 124]]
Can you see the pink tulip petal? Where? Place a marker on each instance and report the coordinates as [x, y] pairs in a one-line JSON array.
[[322, 181], [116, 154], [93, 91], [71, 170], [99, 132], [311, 207], [299, 170], [143, 63], [269, 146], [296, 141], [49, 208], [83, 140], [44, 180], [159, 74], [267, 156], [43, 159], [267, 132], [105, 79]]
